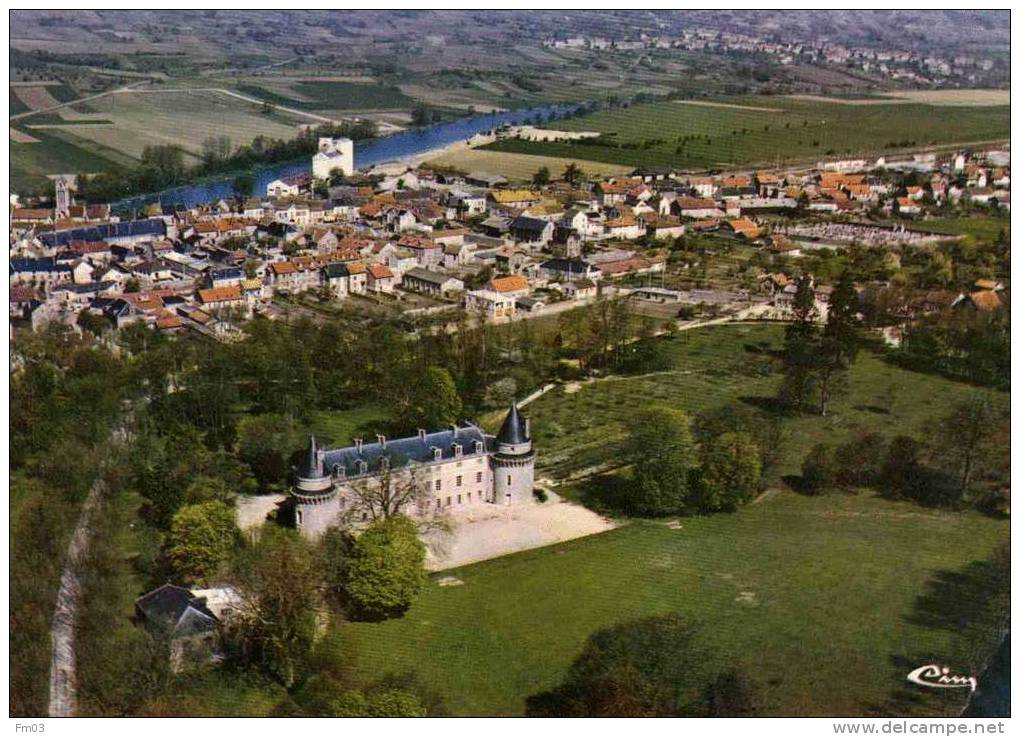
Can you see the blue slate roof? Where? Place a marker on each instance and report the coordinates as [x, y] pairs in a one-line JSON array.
[[36, 265], [403, 450], [514, 430], [522, 222], [129, 229], [231, 273]]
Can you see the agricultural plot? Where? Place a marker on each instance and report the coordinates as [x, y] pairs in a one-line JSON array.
[[39, 97], [325, 95], [519, 166], [583, 426], [118, 127], [765, 131]]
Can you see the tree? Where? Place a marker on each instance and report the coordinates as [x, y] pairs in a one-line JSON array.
[[132, 285], [730, 471], [730, 694], [573, 174], [646, 668], [962, 438], [661, 448], [541, 177], [800, 350], [820, 468], [860, 459], [839, 342], [279, 583], [386, 571], [202, 537], [388, 703], [392, 493], [434, 401], [244, 185], [266, 443]]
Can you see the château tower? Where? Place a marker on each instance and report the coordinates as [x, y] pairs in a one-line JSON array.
[[513, 465], [314, 494]]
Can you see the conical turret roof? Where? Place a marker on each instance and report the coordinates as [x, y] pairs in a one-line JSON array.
[[514, 430], [310, 465]]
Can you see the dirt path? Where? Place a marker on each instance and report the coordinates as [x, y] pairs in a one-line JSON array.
[[51, 108], [63, 675]]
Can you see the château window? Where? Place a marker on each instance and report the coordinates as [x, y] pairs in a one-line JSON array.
[[479, 446], [439, 484], [299, 517], [437, 454], [478, 477], [459, 500], [508, 479], [460, 480], [457, 450]]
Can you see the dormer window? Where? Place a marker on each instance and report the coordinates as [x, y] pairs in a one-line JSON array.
[[479, 446], [458, 450], [339, 471], [437, 453], [362, 467]]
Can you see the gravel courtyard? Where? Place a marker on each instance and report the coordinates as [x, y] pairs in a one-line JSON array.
[[511, 529]]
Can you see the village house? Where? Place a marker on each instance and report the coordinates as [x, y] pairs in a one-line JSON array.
[[380, 278], [532, 231], [491, 304], [569, 270], [510, 286], [431, 282]]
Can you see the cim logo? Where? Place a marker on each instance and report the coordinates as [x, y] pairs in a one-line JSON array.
[[937, 676]]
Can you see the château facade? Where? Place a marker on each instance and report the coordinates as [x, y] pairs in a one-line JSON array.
[[459, 469]]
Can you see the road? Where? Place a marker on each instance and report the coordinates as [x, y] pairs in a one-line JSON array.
[[51, 108], [63, 673]]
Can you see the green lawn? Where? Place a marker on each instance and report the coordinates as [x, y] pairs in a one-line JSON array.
[[818, 597], [778, 130], [979, 228], [815, 596], [712, 367], [339, 428]]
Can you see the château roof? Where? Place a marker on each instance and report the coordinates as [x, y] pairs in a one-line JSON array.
[[514, 430], [416, 448]]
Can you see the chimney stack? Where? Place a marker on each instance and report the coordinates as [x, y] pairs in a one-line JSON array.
[[357, 444], [421, 434], [381, 439]]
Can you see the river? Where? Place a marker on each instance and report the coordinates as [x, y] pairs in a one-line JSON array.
[[366, 154]]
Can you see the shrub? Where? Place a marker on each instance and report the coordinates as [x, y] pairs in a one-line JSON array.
[[819, 469]]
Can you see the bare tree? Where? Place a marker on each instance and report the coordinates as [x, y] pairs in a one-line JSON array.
[[394, 492]]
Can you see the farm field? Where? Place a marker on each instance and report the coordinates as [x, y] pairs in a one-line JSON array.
[[519, 166], [116, 128], [983, 229], [672, 133], [817, 597], [326, 95], [579, 426]]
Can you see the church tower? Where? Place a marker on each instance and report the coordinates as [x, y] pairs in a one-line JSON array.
[[513, 464], [315, 496], [62, 188]]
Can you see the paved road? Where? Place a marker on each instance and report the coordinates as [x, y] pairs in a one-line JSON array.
[[51, 108]]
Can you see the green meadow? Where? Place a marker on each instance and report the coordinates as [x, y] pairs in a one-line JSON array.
[[763, 130], [821, 599], [828, 601]]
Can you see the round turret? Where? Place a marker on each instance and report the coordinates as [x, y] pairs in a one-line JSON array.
[[315, 496], [513, 465]]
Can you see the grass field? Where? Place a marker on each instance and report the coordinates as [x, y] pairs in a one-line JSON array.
[[519, 166], [983, 229], [58, 151], [702, 136], [712, 367], [814, 596]]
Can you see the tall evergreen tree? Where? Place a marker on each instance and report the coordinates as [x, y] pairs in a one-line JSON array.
[[839, 343], [800, 350]]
